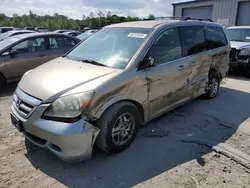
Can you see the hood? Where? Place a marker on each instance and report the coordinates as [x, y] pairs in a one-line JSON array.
[[50, 80], [239, 45]]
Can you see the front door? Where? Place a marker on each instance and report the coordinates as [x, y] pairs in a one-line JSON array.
[[167, 79], [28, 55]]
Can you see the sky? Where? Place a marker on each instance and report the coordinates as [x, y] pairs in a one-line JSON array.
[[76, 8]]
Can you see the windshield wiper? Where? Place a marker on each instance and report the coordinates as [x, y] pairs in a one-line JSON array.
[[93, 62]]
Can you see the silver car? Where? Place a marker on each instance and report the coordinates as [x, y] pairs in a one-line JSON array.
[[239, 37], [119, 78]]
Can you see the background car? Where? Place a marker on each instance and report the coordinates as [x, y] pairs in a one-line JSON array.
[[86, 34], [21, 53], [72, 33], [29, 28], [62, 30], [5, 29], [13, 33], [240, 48]]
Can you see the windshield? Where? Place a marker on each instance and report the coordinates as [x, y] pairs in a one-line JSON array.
[[113, 47], [4, 35], [7, 42], [242, 35]]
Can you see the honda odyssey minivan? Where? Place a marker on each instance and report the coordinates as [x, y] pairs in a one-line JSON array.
[[119, 78]]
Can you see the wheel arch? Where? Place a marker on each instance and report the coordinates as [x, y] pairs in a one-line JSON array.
[[214, 69], [108, 105]]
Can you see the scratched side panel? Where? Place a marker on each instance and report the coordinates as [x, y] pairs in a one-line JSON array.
[[198, 77], [129, 85]]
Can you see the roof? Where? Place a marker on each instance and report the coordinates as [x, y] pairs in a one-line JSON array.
[[7, 27], [143, 24], [37, 34], [185, 2], [17, 31], [239, 27], [153, 23]]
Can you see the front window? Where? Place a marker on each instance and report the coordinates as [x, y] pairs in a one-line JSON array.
[[112, 47], [4, 35], [241, 35], [8, 41], [31, 45], [166, 48]]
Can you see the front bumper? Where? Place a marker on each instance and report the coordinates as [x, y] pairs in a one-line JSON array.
[[71, 142], [237, 63]]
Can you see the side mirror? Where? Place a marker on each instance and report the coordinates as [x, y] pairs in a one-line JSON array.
[[151, 61], [147, 62], [13, 52]]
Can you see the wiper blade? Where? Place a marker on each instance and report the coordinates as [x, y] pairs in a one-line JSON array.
[[94, 62]]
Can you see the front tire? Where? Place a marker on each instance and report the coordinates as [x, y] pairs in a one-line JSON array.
[[119, 125], [213, 85]]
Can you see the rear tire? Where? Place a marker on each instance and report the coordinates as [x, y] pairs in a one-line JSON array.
[[2, 81], [119, 125], [213, 86]]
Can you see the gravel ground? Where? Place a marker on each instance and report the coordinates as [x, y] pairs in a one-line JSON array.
[[157, 158]]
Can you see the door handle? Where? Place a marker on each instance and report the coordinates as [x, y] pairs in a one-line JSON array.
[[181, 67]]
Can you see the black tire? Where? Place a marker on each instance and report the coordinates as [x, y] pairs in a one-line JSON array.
[[210, 94], [2, 81], [107, 122]]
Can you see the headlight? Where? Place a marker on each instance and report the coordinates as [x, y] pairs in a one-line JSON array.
[[244, 52], [70, 106]]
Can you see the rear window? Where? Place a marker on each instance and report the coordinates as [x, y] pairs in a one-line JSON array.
[[193, 39], [58, 42], [215, 37]]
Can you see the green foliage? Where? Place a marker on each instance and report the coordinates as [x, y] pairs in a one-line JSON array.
[[62, 22]]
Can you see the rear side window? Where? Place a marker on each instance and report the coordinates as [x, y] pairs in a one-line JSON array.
[[193, 39], [61, 42], [215, 37]]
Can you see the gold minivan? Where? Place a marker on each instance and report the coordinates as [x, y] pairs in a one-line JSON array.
[[122, 76]]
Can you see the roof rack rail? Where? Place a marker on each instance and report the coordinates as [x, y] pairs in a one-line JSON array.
[[184, 18]]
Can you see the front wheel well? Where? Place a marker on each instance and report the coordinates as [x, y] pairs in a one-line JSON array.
[[137, 105]]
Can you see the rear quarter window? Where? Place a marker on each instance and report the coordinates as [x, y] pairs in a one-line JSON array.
[[215, 37]]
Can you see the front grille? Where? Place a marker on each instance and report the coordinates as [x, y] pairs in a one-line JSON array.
[[234, 54], [24, 104]]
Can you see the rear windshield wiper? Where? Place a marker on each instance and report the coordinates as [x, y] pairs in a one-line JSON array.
[[93, 62]]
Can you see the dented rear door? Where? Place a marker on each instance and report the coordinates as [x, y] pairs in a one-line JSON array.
[[168, 77]]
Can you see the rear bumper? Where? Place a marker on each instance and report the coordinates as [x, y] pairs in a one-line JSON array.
[[70, 142]]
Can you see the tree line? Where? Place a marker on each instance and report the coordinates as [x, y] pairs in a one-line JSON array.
[[58, 21]]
